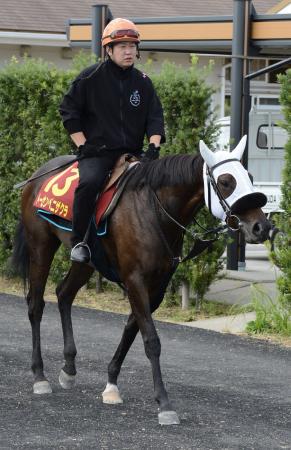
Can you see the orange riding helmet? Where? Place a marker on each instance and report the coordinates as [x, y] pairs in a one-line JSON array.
[[120, 30]]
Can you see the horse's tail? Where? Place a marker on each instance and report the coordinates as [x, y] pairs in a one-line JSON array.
[[20, 255]]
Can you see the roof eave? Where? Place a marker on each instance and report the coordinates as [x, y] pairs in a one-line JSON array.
[[38, 39]]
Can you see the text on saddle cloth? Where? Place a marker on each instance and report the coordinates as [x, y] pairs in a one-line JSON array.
[[56, 194]]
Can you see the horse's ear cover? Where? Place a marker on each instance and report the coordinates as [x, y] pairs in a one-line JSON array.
[[206, 154], [209, 156], [240, 148]]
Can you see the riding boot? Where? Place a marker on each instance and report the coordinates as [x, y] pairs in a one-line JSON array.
[[81, 226], [80, 249], [83, 210]]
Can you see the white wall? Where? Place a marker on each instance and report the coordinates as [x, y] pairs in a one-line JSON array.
[[60, 56]]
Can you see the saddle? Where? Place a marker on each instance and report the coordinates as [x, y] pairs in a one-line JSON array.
[[56, 195]]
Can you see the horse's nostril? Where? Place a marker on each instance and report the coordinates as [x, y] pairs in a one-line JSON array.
[[257, 228], [261, 229]]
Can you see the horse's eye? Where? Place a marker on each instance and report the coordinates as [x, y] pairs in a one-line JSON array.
[[224, 183]]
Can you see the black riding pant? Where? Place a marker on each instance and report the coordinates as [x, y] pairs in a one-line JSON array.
[[93, 173]]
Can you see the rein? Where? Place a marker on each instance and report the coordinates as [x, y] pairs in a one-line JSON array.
[[199, 245]]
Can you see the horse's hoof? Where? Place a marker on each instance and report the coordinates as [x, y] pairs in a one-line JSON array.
[[66, 381], [111, 395], [42, 387], [168, 418]]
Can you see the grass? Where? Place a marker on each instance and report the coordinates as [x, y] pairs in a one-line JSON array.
[[271, 316]]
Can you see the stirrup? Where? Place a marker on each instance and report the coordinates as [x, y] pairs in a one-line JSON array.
[[81, 253]]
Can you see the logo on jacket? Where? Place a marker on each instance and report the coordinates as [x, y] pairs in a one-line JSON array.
[[135, 98]]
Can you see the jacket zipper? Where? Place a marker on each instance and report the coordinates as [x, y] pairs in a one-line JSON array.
[[121, 113]]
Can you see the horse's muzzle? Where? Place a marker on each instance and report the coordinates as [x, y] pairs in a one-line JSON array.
[[261, 229]]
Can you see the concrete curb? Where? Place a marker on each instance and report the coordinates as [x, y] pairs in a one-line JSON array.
[[226, 324]]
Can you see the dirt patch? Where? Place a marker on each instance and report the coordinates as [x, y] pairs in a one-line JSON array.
[[113, 300]]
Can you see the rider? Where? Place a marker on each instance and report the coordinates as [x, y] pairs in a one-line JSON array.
[[108, 110]]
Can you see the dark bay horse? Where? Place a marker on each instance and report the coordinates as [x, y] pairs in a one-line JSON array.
[[141, 243]]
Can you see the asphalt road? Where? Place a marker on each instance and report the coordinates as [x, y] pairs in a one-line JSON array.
[[230, 392]]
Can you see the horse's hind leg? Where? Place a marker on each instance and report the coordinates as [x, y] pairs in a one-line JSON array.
[[78, 275], [40, 262]]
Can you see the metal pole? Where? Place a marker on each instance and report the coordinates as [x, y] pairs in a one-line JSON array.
[[246, 106], [237, 72], [100, 16]]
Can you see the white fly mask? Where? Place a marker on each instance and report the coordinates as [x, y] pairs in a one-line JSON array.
[[222, 162]]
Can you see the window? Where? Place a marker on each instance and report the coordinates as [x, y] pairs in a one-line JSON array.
[[272, 76], [272, 136], [227, 105], [257, 64]]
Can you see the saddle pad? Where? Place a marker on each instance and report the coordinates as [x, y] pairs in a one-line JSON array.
[[56, 195], [99, 257]]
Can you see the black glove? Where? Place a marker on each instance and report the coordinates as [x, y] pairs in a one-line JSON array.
[[152, 153], [88, 150]]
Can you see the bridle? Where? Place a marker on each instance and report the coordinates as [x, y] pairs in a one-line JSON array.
[[200, 243]]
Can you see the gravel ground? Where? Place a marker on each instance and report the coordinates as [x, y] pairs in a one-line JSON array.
[[230, 392]]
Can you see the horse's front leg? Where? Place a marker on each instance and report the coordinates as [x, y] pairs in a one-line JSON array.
[[111, 393], [140, 304], [66, 292]]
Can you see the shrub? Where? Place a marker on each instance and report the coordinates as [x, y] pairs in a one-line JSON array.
[[284, 220], [275, 316], [31, 133]]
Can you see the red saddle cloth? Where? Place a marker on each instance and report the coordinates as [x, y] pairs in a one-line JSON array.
[[56, 194]]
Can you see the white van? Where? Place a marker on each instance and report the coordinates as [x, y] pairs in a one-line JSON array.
[[266, 150]]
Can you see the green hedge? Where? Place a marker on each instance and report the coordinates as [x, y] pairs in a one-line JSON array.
[[274, 316], [31, 132], [284, 221]]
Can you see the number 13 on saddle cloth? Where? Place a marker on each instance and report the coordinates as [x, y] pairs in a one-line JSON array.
[[56, 194]]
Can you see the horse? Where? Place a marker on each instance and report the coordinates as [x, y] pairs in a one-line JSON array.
[[143, 242]]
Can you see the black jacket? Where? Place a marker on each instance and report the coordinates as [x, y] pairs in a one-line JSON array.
[[113, 107]]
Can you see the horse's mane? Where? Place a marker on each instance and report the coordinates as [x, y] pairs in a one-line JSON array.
[[168, 171]]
